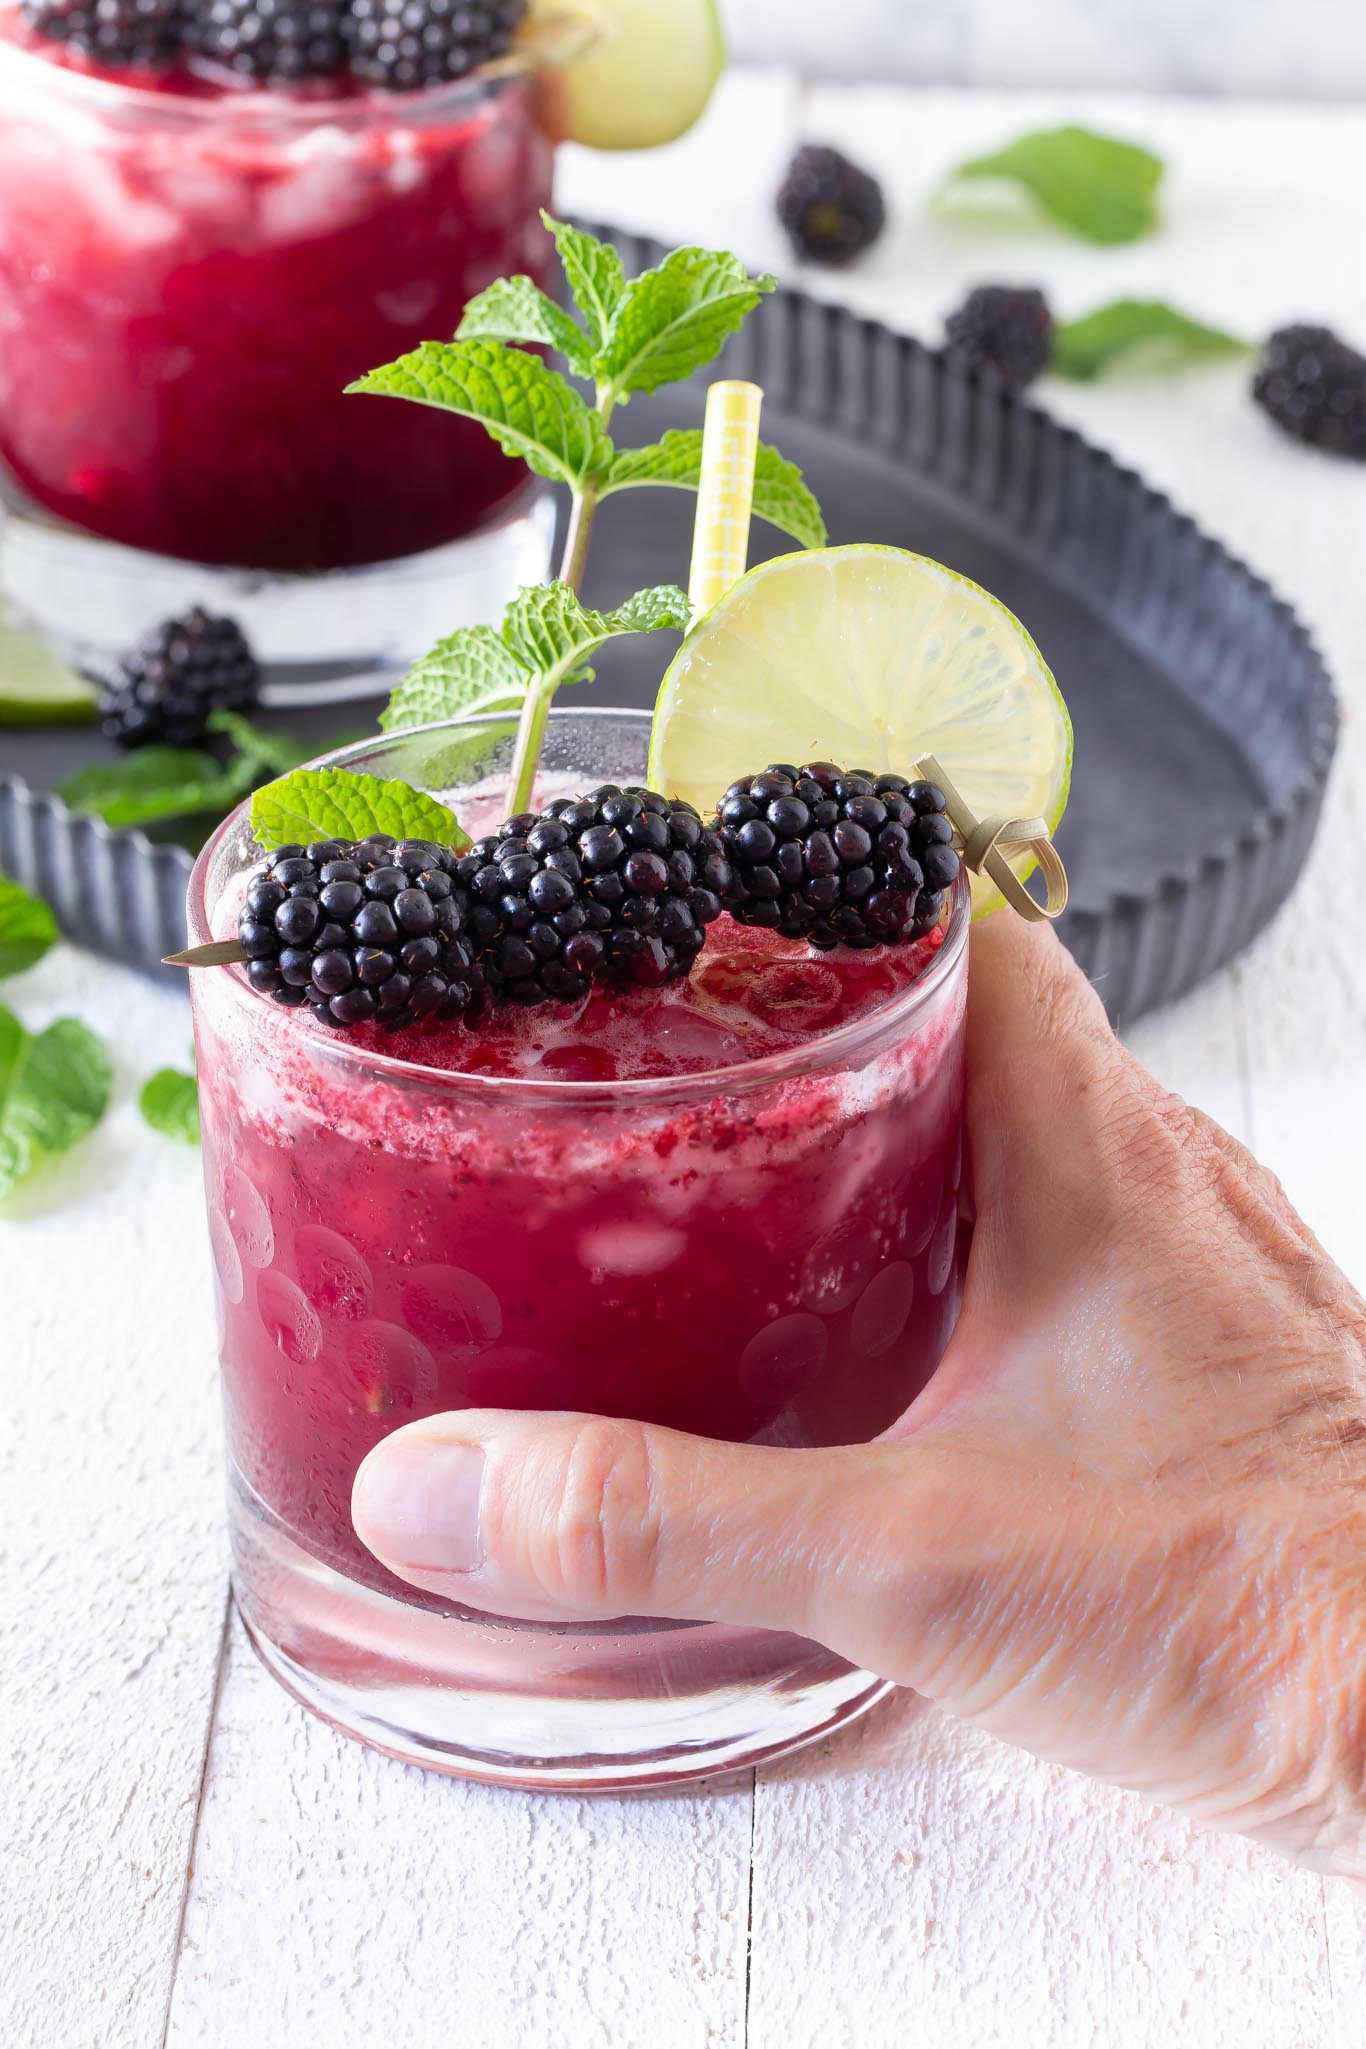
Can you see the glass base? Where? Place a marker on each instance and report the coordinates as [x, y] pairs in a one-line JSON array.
[[512, 1703], [339, 634]]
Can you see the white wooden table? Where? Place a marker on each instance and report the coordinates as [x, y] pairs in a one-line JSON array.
[[192, 1859]]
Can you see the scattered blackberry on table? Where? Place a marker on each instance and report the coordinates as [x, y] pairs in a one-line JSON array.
[[407, 43], [1314, 386], [367, 931], [175, 677], [275, 40], [118, 34], [831, 209], [618, 886], [1006, 329], [836, 857]]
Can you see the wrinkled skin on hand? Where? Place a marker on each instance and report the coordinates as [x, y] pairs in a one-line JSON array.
[[1124, 1526]]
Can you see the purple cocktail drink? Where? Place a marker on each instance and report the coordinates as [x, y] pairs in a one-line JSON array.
[[729, 1205], [192, 271]]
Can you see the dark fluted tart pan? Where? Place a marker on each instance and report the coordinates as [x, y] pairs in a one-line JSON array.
[[1205, 719]]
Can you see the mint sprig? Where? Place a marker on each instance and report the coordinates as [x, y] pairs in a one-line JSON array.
[[169, 1103], [27, 928], [54, 1088], [626, 335], [1098, 187], [338, 804], [547, 639]]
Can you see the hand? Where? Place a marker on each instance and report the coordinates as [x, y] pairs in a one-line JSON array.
[[1125, 1524]]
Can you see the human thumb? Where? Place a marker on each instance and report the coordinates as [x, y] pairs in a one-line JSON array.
[[552, 1517]]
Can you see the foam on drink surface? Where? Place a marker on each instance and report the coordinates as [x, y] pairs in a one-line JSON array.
[[750, 995]]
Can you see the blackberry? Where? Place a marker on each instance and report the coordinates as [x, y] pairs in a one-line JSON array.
[[177, 674], [831, 209], [1006, 329], [618, 886], [836, 857], [407, 43], [117, 34], [270, 39], [366, 931], [1314, 386]]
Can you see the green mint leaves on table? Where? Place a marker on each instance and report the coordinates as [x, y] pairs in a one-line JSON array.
[[27, 928], [54, 1088], [1137, 332], [630, 335], [1094, 185], [154, 783], [169, 1102], [336, 803]]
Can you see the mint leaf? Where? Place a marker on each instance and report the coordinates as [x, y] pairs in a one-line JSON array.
[[155, 783], [553, 634], [515, 309], [781, 495], [528, 409], [335, 803], [674, 318], [27, 928], [54, 1088], [546, 639], [152, 783], [169, 1102], [1137, 328], [1102, 189], [594, 274], [472, 670]]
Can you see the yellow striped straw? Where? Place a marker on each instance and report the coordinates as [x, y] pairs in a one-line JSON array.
[[725, 492]]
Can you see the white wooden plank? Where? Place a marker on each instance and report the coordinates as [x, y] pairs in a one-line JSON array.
[[339, 1897], [920, 1884], [1317, 49], [1345, 1925], [113, 1593]]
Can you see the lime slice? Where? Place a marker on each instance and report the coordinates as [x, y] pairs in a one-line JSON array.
[[646, 76], [869, 657], [36, 688]]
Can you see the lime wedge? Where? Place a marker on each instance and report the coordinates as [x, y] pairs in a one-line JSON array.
[[646, 76], [36, 688], [869, 657]]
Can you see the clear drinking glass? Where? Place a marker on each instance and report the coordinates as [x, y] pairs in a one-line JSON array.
[[190, 276], [767, 1252]]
